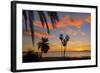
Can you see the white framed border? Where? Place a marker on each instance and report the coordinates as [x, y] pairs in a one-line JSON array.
[[57, 64]]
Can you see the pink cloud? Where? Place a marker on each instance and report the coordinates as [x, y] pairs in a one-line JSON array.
[[39, 34], [73, 32], [68, 21], [39, 24], [87, 19]]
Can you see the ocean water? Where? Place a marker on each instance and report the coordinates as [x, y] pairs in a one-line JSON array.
[[68, 54]]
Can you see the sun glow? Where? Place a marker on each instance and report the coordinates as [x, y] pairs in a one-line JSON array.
[[79, 49]]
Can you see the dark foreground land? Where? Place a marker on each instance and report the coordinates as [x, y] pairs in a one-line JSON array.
[[34, 57], [64, 58], [54, 59]]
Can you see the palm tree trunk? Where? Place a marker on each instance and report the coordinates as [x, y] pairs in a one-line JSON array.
[[64, 51], [61, 50], [41, 54]]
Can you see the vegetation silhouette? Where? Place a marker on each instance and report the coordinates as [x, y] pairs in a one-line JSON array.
[[28, 16], [64, 41], [43, 45], [31, 56]]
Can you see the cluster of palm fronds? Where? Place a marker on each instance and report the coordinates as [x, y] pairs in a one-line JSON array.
[[29, 20]]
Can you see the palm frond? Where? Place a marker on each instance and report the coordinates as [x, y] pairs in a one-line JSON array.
[[53, 17], [31, 19], [43, 20], [25, 20]]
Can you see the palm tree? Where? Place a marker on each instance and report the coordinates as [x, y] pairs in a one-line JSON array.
[[64, 41], [61, 38], [28, 16], [43, 45]]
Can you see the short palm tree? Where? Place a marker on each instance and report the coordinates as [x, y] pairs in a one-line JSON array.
[[43, 45]]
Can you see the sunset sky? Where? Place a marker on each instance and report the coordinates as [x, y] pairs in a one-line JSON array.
[[76, 25]]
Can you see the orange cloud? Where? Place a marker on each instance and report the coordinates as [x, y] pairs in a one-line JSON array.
[[62, 22], [66, 21], [75, 22], [87, 19], [39, 34], [39, 24]]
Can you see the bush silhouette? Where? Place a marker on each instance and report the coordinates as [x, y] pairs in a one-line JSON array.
[[30, 56]]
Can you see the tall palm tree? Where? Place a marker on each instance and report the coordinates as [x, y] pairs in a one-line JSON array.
[[29, 20], [61, 38], [64, 41], [43, 45]]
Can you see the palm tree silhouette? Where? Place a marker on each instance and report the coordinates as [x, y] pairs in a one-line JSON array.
[[61, 38], [28, 16], [43, 45], [64, 41]]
